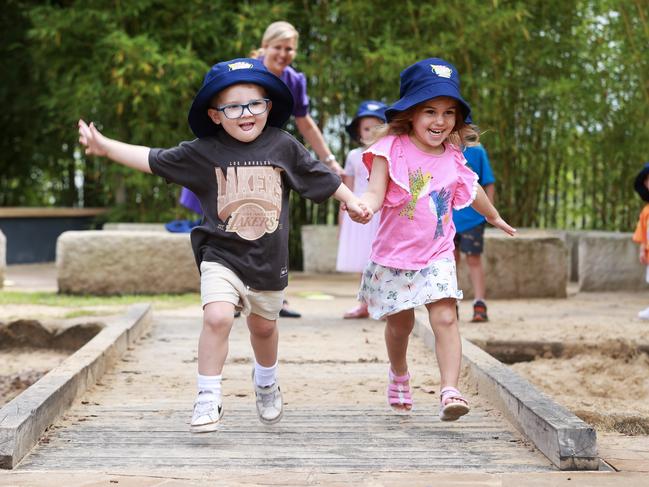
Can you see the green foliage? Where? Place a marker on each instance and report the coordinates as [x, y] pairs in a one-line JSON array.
[[559, 88]]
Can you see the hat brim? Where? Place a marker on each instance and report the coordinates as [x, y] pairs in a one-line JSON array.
[[432, 90], [639, 185], [276, 90]]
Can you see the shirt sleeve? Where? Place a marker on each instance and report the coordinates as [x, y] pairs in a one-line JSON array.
[[308, 176], [486, 174], [172, 164], [349, 165], [300, 97], [640, 234], [466, 187]]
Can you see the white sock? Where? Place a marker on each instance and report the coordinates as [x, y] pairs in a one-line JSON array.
[[210, 384], [265, 376]]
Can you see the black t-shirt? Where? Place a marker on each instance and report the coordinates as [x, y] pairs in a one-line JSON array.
[[244, 192]]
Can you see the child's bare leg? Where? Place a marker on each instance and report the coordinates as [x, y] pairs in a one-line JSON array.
[[397, 334], [476, 272], [264, 338], [213, 342], [448, 346]]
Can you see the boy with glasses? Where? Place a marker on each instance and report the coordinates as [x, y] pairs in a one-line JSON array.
[[242, 167]]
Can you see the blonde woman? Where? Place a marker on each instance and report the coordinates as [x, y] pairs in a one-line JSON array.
[[278, 50]]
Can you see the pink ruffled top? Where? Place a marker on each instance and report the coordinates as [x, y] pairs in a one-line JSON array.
[[416, 226]]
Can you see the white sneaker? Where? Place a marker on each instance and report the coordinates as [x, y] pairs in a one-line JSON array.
[[270, 405], [644, 314], [208, 410]]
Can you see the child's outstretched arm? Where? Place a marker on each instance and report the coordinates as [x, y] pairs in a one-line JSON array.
[[483, 206], [133, 156], [358, 211]]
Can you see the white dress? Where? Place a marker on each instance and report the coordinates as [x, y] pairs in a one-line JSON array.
[[355, 242]]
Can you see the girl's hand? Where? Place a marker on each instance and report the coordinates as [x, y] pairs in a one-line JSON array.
[[92, 139], [359, 212], [498, 222], [643, 257]]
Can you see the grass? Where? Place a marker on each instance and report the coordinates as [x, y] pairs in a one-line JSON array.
[[161, 301]]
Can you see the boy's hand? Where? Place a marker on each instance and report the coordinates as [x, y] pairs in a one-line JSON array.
[[359, 212], [92, 139], [498, 222]]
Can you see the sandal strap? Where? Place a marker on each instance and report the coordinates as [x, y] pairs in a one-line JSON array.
[[449, 393], [398, 379]]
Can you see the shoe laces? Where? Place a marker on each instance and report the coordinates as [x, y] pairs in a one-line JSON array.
[[268, 397], [205, 406]]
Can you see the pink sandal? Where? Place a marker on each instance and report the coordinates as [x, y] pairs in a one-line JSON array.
[[399, 395], [452, 404]]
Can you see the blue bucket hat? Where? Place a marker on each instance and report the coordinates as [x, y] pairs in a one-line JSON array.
[[428, 79], [639, 185], [367, 108], [228, 73]]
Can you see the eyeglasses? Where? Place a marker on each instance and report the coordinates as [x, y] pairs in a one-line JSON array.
[[235, 110]]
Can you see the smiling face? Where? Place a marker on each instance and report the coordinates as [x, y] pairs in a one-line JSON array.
[[279, 53], [432, 123], [248, 127]]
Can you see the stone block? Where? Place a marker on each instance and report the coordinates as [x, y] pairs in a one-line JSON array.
[[534, 264], [106, 262], [135, 227], [608, 261], [319, 248], [3, 258]]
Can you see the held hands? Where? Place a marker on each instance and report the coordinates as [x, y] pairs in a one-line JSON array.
[[92, 139], [498, 222], [358, 211]]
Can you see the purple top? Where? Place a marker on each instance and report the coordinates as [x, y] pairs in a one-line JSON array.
[[296, 83]]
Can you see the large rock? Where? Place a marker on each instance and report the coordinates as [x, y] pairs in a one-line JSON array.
[[3, 258], [109, 262], [135, 227], [608, 261], [319, 248], [534, 264]]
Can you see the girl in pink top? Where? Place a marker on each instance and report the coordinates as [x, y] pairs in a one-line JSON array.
[[417, 175]]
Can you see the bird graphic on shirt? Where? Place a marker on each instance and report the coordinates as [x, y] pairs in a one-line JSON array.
[[418, 185], [439, 204]]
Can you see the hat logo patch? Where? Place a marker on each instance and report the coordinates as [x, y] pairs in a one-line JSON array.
[[373, 107], [240, 65], [441, 70]]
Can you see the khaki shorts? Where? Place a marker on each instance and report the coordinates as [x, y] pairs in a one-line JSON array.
[[218, 283]]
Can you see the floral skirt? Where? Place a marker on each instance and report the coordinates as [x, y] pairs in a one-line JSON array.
[[388, 291]]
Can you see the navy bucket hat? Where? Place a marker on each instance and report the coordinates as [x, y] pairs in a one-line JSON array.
[[367, 108], [639, 185], [430, 78], [228, 73]]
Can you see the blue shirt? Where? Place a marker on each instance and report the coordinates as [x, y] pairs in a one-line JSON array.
[[478, 160]]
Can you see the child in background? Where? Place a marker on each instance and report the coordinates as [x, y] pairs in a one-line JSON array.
[[242, 168], [469, 228], [641, 235], [355, 240], [417, 175]]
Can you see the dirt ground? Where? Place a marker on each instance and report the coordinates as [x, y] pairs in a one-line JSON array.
[[602, 373]]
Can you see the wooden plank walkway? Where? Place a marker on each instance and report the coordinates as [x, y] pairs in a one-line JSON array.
[[332, 372]]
